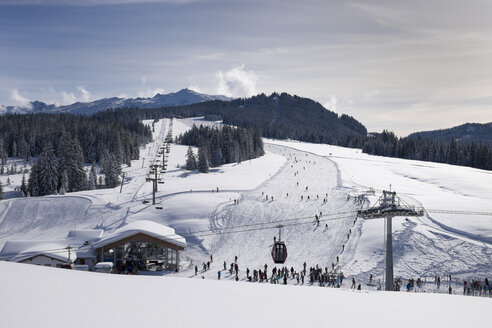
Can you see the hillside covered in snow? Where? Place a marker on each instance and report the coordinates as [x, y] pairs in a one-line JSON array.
[[179, 98], [235, 209], [290, 184]]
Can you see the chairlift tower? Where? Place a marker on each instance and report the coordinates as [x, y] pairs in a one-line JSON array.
[[154, 181], [388, 206]]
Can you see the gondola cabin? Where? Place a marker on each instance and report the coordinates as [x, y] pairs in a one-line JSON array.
[[279, 252]]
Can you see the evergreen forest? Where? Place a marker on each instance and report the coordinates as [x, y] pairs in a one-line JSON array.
[[221, 146]]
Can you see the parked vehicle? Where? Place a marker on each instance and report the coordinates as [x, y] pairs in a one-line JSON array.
[[104, 267], [67, 266], [81, 267]]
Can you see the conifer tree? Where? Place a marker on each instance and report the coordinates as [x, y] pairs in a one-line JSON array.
[[112, 169], [43, 179], [202, 159], [1, 191], [23, 187], [14, 149], [64, 183], [190, 160], [215, 151], [92, 180], [71, 161]]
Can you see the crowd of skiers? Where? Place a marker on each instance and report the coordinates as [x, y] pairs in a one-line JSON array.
[[323, 277], [326, 277], [474, 287]]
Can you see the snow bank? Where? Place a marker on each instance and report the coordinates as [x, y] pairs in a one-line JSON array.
[[42, 297]]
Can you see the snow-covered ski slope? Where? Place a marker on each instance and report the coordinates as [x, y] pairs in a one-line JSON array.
[[439, 243], [35, 296], [212, 223]]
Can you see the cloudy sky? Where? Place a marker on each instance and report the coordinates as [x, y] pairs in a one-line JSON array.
[[399, 65]]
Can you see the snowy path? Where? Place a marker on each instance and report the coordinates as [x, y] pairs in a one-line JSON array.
[[306, 241]]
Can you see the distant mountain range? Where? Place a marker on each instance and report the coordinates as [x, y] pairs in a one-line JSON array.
[[465, 133], [180, 98]]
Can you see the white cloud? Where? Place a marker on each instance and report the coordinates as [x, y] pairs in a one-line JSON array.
[[237, 82], [63, 97], [196, 88], [150, 93], [85, 95], [67, 98], [331, 104], [19, 99]]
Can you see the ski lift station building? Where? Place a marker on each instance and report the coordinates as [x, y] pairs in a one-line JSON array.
[[141, 244]]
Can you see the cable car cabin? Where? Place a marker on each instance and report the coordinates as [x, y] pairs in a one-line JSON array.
[[279, 252]]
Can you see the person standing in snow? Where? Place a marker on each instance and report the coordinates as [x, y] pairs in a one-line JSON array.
[[218, 275], [196, 270]]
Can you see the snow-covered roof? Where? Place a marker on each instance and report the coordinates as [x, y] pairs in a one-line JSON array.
[[150, 228], [86, 234], [19, 250]]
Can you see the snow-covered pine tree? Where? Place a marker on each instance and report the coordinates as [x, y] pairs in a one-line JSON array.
[[23, 187], [190, 160], [226, 145], [43, 179], [64, 183], [112, 169], [14, 149], [216, 158], [258, 143], [92, 180], [71, 160], [202, 159]]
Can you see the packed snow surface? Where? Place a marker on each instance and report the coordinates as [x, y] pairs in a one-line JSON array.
[[35, 296]]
